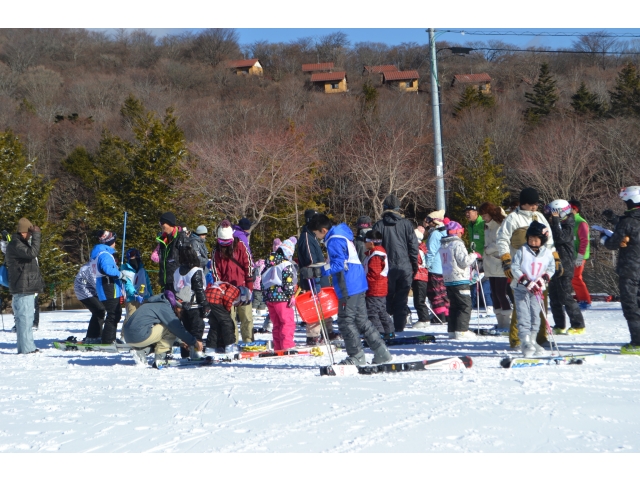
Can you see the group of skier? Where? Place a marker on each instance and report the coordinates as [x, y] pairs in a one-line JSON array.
[[528, 257]]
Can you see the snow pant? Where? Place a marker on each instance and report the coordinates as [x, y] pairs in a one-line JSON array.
[[399, 282], [315, 329], [114, 313], [460, 308], [485, 300], [353, 321], [377, 314], [582, 292], [499, 293], [630, 306], [284, 325], [419, 289], [130, 308], [245, 315], [222, 330], [96, 322], [23, 309], [528, 308], [194, 324], [437, 295], [257, 301], [514, 339], [561, 295], [160, 336]]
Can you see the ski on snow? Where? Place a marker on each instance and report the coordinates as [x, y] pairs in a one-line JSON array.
[[448, 363], [490, 331], [399, 341], [72, 345], [571, 359]]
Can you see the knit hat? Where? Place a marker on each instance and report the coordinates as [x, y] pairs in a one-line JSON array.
[[308, 214], [529, 196], [276, 243], [391, 202], [537, 229], [168, 218], [419, 234], [24, 225], [288, 247], [244, 223], [437, 217], [107, 237], [201, 230], [454, 228], [225, 233], [364, 222]]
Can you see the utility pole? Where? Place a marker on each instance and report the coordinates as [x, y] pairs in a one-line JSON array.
[[437, 134]]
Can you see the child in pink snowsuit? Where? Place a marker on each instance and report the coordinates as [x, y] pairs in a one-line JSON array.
[[279, 281]]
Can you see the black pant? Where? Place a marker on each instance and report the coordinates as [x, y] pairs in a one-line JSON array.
[[419, 289], [499, 293], [459, 308], [631, 306], [221, 327], [561, 294], [353, 322], [97, 316], [114, 312], [377, 314], [399, 282], [193, 324]]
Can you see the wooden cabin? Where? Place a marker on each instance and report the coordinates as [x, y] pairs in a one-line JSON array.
[[330, 82], [245, 67], [482, 81], [406, 81], [376, 71], [317, 67]]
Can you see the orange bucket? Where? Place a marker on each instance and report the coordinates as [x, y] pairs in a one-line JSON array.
[[326, 299]]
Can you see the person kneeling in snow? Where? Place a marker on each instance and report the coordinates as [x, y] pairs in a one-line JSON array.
[[156, 324]]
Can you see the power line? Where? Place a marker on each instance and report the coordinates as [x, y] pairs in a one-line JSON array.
[[553, 51], [541, 34]]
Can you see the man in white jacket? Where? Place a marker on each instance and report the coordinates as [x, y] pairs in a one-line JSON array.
[[511, 236]]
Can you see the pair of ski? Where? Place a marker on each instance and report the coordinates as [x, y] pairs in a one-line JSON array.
[[569, 359], [448, 363], [491, 331], [413, 340]]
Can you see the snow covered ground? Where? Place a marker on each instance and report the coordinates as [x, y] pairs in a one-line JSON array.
[[92, 402]]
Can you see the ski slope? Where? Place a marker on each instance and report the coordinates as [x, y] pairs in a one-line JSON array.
[[59, 401]]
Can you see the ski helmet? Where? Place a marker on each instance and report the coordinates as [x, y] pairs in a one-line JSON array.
[[631, 196], [561, 207], [537, 229]]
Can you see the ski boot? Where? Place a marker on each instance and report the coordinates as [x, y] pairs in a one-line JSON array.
[[314, 341], [560, 331], [466, 335], [576, 331], [381, 355], [630, 349], [526, 347], [357, 359], [231, 349], [419, 325], [162, 360], [539, 350], [90, 340], [195, 354], [140, 355]]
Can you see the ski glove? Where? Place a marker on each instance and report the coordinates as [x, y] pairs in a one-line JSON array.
[[205, 310], [506, 265], [579, 260], [559, 267]]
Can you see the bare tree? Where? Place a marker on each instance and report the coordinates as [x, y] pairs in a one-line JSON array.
[[216, 44], [597, 44]]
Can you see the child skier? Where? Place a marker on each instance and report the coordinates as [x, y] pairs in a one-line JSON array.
[[138, 276], [626, 238], [376, 268], [532, 266], [561, 220], [221, 297], [279, 284], [420, 283], [456, 274], [436, 291], [84, 287], [350, 283], [582, 246]]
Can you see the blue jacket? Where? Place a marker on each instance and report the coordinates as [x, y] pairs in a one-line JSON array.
[[106, 266], [434, 264], [352, 278], [138, 277]]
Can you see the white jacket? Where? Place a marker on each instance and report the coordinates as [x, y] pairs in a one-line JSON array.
[[491, 259], [455, 261], [516, 220]]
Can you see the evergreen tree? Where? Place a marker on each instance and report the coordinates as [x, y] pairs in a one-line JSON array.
[[544, 96], [625, 98], [472, 97], [584, 102], [369, 101]]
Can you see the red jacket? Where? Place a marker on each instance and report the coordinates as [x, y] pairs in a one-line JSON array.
[[374, 265], [236, 270], [423, 273]]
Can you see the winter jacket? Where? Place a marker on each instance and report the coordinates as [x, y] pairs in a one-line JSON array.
[[491, 258], [399, 240], [512, 232], [156, 310], [359, 243], [376, 268], [200, 247], [236, 270], [84, 284], [434, 264], [455, 261], [23, 270], [344, 266], [518, 268], [277, 268], [476, 231], [170, 246], [563, 240], [423, 273], [309, 252], [241, 235], [137, 278], [106, 273], [581, 236], [194, 278], [222, 293], [629, 256]]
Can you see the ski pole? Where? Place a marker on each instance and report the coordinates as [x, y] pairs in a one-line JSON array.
[[124, 237], [484, 297], [323, 327], [548, 327], [475, 263], [434, 313], [1, 314]]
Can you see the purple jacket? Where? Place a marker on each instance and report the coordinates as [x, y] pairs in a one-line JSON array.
[[242, 236]]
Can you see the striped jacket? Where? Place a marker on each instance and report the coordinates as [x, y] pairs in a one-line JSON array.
[[85, 285]]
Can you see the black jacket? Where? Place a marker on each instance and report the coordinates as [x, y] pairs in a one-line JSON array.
[[197, 284], [169, 258], [359, 242], [399, 240], [563, 240], [309, 252], [199, 246], [629, 259], [22, 264]]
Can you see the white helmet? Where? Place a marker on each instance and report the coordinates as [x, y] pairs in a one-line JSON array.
[[631, 193], [561, 207]]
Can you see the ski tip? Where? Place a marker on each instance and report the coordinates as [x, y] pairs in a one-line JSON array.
[[327, 371], [506, 362], [467, 361]]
